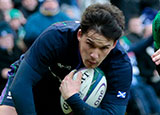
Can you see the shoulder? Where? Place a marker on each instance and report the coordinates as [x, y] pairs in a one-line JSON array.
[[63, 29], [118, 54], [59, 32], [65, 25], [118, 72], [118, 68], [56, 37]]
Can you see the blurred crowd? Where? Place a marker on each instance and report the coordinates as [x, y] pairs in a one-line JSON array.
[[22, 21]]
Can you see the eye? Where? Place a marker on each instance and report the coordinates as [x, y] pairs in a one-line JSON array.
[[104, 48], [90, 45]]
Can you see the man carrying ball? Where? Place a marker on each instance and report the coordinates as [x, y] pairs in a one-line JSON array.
[[65, 46]]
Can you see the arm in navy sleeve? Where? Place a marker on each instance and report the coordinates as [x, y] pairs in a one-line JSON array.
[[34, 66], [79, 107], [30, 71], [21, 89]]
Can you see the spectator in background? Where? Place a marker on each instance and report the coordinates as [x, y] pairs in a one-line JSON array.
[[8, 50], [135, 29], [5, 6], [134, 7], [135, 35], [71, 10], [17, 21], [147, 17], [48, 14], [142, 94], [83, 4], [28, 7], [129, 8]]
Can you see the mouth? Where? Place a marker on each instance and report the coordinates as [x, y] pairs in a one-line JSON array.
[[91, 62]]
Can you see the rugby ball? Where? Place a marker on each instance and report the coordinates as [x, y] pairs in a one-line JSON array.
[[92, 90]]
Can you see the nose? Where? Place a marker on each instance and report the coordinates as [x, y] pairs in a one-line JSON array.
[[94, 54]]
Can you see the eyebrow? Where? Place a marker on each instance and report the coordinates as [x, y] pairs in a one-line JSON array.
[[92, 41]]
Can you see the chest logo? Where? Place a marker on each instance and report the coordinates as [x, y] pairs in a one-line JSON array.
[[64, 66]]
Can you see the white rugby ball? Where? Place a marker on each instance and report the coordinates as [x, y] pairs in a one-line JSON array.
[[92, 90]]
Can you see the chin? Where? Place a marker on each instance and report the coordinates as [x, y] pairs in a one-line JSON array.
[[91, 66]]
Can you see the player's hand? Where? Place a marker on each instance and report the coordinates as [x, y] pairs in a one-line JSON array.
[[156, 57], [69, 86]]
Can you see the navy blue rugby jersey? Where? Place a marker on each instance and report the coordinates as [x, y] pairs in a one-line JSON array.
[[57, 48]]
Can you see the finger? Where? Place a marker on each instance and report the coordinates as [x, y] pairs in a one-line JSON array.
[[79, 76], [156, 58], [72, 73], [157, 62], [156, 53]]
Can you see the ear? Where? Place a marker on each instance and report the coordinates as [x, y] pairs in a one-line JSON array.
[[79, 34]]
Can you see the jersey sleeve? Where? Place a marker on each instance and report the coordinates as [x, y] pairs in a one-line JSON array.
[[80, 108], [21, 89], [119, 77]]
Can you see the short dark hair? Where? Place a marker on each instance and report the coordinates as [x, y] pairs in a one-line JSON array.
[[105, 19]]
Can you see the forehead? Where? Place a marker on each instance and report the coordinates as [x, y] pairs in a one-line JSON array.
[[98, 38]]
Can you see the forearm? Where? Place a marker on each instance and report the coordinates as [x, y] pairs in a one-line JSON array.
[[21, 89], [80, 108]]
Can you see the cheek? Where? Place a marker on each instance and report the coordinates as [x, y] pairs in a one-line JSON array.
[[105, 53], [84, 51]]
